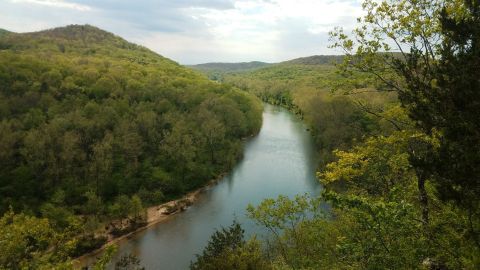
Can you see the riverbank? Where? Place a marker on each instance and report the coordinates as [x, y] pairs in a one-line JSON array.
[[154, 215]]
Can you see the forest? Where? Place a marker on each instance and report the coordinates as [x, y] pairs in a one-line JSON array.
[[396, 120], [305, 86], [93, 130]]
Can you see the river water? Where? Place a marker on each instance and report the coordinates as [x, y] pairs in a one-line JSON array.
[[279, 160]]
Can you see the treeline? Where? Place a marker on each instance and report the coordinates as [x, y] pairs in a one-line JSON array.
[[337, 121], [403, 192], [94, 129]]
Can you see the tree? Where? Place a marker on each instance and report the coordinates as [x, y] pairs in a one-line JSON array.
[[405, 24], [128, 262], [179, 145], [453, 108], [93, 205], [376, 168], [57, 213], [214, 133], [122, 207], [425, 51], [228, 250], [138, 211], [102, 262], [130, 144], [102, 161], [7, 141], [24, 240]]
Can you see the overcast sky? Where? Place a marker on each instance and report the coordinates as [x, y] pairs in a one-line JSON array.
[[198, 31]]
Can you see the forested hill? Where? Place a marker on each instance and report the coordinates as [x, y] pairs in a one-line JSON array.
[[276, 83], [216, 71], [4, 32], [93, 126], [230, 66], [220, 71], [304, 85], [316, 60], [254, 65], [80, 40]]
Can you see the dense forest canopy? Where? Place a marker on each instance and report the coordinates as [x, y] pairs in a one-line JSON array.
[[93, 128], [304, 85], [316, 60], [226, 67], [216, 71]]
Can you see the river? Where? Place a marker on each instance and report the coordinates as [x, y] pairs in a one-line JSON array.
[[279, 160]]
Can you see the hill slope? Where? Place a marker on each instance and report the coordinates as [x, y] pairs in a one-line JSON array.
[[219, 71], [92, 124], [316, 60], [303, 85], [4, 32], [227, 67], [216, 71], [275, 83]]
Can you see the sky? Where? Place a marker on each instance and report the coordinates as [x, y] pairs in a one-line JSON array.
[[198, 31]]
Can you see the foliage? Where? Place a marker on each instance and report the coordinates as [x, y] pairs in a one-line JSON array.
[[95, 128], [227, 249], [294, 225], [374, 219], [22, 238], [305, 86], [128, 262], [216, 71], [453, 107], [100, 116], [28, 242], [424, 51], [102, 262]]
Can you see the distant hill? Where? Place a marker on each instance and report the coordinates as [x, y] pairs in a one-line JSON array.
[[78, 40], [4, 32], [316, 60], [218, 71], [248, 66], [215, 70], [229, 67], [80, 33]]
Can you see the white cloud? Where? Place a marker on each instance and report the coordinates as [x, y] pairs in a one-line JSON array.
[[193, 31], [56, 3], [260, 29]]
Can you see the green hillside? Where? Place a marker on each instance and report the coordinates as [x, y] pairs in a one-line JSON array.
[[305, 85], [91, 124], [274, 83], [316, 60], [216, 71], [227, 67], [4, 32]]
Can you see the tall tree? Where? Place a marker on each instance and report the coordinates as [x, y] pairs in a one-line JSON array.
[[378, 47], [427, 52], [455, 111]]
